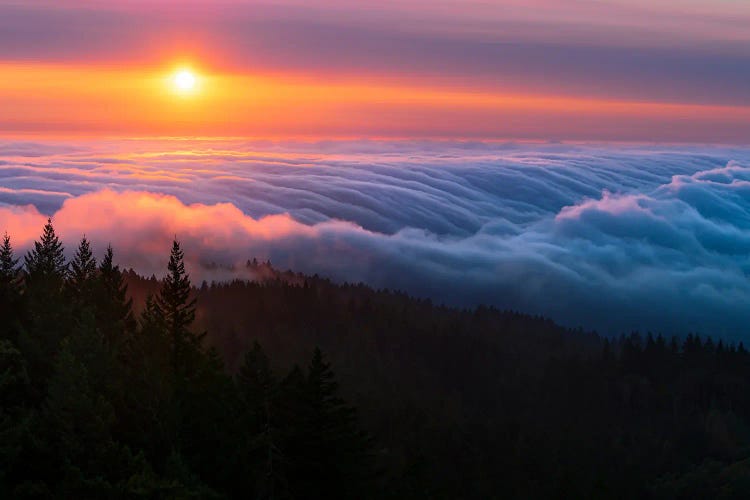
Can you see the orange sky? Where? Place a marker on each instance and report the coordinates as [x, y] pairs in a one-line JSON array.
[[628, 70], [100, 100]]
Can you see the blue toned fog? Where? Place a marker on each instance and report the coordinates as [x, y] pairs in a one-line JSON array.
[[613, 238]]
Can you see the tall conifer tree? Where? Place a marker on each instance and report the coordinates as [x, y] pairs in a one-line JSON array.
[[114, 308], [82, 268], [81, 282], [177, 311], [9, 288], [46, 260], [8, 265], [327, 453], [48, 315]]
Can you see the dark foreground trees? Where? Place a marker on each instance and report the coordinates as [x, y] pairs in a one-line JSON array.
[[96, 405], [109, 388]]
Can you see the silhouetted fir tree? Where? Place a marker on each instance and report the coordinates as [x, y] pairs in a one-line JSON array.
[[174, 376], [10, 292], [174, 311], [329, 455], [82, 277], [114, 310], [46, 260], [8, 265], [48, 316], [177, 311]]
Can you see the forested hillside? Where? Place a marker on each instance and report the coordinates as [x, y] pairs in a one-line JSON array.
[[117, 386], [97, 403]]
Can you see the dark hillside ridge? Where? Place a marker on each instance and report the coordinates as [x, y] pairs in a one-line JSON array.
[[116, 386], [468, 403]]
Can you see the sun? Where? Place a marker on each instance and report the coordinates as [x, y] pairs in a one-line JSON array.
[[184, 80]]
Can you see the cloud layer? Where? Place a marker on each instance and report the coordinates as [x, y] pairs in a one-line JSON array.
[[614, 238]]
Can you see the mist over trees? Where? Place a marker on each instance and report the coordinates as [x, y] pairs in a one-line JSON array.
[[117, 386], [98, 405]]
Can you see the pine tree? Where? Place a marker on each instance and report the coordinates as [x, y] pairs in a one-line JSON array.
[[114, 309], [46, 260], [164, 354], [10, 294], [48, 316], [328, 453], [336, 424], [177, 312], [82, 271], [81, 283], [8, 266]]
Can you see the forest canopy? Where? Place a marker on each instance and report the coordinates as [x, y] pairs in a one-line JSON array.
[[98, 403], [113, 385]]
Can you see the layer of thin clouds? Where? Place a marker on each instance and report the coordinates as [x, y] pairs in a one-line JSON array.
[[614, 238]]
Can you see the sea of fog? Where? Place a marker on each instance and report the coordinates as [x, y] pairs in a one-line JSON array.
[[614, 238]]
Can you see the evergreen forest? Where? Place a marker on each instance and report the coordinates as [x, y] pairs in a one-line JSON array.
[[115, 385]]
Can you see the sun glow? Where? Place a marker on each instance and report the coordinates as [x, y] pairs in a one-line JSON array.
[[184, 80]]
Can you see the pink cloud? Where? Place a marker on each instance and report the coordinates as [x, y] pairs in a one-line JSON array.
[[613, 204], [140, 226]]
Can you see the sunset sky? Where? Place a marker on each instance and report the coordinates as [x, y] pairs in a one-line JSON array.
[[635, 70], [499, 218], [585, 160]]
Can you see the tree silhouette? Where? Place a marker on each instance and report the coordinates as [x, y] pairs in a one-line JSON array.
[[461, 403], [46, 260], [48, 317], [8, 265], [329, 454], [177, 311], [10, 293], [81, 283], [114, 310], [83, 265]]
